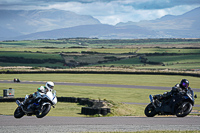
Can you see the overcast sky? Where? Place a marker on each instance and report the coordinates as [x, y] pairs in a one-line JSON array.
[[109, 11]]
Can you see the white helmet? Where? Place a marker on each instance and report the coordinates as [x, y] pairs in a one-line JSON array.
[[49, 85], [41, 89]]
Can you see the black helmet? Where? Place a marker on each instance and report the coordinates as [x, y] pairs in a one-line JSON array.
[[184, 84]]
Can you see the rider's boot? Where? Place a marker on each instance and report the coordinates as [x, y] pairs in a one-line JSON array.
[[25, 103], [158, 99]]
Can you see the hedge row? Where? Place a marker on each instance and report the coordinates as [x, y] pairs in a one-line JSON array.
[[10, 99], [103, 72]]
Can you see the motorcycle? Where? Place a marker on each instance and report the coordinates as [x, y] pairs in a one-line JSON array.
[[179, 104], [40, 106]]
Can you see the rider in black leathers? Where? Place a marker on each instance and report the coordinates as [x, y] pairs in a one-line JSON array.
[[182, 87]]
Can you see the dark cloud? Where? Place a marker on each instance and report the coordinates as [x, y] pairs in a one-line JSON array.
[[137, 4], [109, 11]]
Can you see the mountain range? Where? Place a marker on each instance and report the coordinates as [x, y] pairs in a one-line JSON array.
[[53, 24]]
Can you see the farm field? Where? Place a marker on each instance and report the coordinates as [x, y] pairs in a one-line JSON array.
[[175, 54]]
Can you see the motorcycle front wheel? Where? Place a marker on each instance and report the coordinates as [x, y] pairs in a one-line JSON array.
[[150, 110], [183, 109], [45, 110], [18, 113]]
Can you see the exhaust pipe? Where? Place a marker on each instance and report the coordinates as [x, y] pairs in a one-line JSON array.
[[18, 102], [151, 98]]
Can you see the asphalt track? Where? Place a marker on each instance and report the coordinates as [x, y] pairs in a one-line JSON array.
[[53, 124]]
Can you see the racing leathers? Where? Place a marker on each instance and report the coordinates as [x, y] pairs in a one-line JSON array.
[[175, 90], [30, 98]]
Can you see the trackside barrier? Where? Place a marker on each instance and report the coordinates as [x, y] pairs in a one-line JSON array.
[[105, 72], [93, 111], [94, 106]]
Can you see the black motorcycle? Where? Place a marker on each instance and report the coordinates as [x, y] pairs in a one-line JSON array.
[[179, 104]]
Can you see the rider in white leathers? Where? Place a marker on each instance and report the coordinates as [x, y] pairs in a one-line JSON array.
[[40, 91]]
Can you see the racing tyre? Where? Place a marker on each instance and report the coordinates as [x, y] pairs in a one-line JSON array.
[[18, 113], [45, 111], [150, 110], [183, 109]]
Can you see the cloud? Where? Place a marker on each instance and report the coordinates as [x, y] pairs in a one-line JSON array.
[[109, 11], [161, 4]]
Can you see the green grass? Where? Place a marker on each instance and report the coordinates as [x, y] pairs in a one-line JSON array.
[[128, 62], [168, 50], [61, 109], [119, 79], [175, 59], [36, 56], [108, 93], [189, 66], [102, 50]]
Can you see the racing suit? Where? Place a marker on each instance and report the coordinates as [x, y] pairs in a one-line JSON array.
[[30, 98], [175, 90]]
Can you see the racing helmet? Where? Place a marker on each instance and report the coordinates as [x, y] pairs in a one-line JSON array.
[[49, 85], [184, 84], [41, 89]]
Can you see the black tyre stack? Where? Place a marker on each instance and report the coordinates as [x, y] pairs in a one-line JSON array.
[[94, 111]]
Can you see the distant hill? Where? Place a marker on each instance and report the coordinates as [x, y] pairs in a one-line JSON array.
[[26, 22], [53, 24], [182, 26], [98, 30]]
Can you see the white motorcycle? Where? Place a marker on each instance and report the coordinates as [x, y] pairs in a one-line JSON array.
[[39, 107]]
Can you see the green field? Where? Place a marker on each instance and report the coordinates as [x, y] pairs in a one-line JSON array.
[[158, 54], [98, 43], [169, 50]]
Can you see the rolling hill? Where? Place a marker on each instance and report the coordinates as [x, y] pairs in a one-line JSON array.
[[53, 24]]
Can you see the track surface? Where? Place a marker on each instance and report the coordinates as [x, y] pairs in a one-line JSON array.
[[88, 124]]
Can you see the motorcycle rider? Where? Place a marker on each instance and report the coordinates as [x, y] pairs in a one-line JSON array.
[[40, 91], [182, 87]]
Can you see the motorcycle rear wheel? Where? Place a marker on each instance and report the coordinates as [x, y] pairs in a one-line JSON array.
[[150, 110], [45, 111], [18, 113], [183, 109]]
